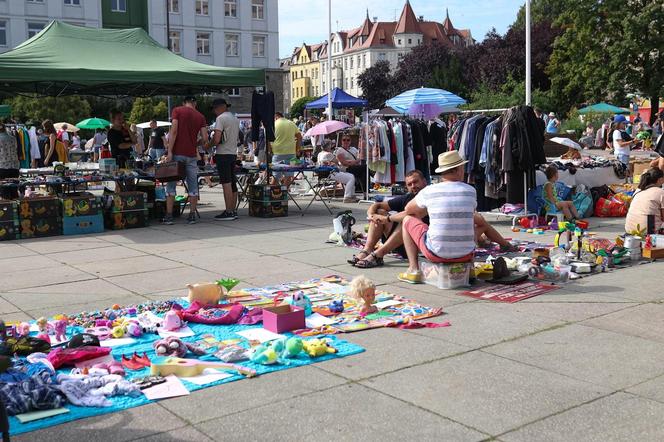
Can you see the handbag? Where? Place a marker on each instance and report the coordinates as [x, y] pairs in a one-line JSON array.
[[171, 171]]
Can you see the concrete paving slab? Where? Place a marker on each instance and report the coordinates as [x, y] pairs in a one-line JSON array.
[[259, 279], [644, 321], [389, 349], [480, 324], [89, 286], [86, 256], [383, 275], [312, 417], [571, 311], [209, 255], [46, 299], [20, 264], [163, 247], [131, 424], [6, 306], [186, 434], [160, 280], [619, 417], [575, 351], [63, 244], [48, 276], [128, 266], [74, 308], [651, 389], [231, 398], [485, 392], [13, 249], [324, 257]]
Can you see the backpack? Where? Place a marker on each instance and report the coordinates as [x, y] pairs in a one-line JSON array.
[[343, 225]]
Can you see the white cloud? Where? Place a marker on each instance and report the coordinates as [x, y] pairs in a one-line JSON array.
[[306, 20]]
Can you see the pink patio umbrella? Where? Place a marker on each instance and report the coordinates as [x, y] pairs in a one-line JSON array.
[[326, 128]]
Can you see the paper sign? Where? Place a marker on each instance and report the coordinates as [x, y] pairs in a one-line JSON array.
[[171, 388], [182, 332], [117, 342], [385, 304], [259, 334], [208, 376], [316, 320]]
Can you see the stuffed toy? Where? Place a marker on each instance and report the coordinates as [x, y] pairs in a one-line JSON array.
[[336, 306], [207, 293], [300, 300], [172, 346], [317, 347], [264, 354]]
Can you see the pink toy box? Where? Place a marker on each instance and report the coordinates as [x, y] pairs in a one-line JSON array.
[[283, 318]]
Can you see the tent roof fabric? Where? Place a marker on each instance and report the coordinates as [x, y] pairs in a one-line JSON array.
[[340, 99], [603, 108], [64, 59]]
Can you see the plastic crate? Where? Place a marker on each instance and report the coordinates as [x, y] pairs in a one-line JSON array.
[[41, 227], [9, 230], [8, 210], [83, 225], [80, 204], [39, 208], [446, 276], [268, 193], [268, 209], [131, 219], [126, 201]]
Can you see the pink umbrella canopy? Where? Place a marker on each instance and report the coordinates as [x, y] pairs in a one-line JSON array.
[[326, 128]]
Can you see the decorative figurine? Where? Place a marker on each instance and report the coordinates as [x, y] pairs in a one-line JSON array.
[[364, 291]]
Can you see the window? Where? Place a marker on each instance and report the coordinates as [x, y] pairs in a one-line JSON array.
[[345, 63], [258, 9], [230, 8], [399, 41], [232, 43], [202, 7], [258, 46], [382, 56], [34, 29], [203, 43], [73, 2], [351, 62], [410, 41], [3, 33], [119, 5], [174, 39], [174, 6], [364, 60], [35, 1], [234, 92], [351, 83]]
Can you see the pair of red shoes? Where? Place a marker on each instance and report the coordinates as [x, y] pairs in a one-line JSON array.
[[136, 362]]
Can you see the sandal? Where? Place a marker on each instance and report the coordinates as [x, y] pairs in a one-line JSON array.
[[370, 264], [356, 258]]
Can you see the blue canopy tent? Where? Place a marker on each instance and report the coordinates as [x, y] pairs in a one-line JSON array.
[[340, 100]]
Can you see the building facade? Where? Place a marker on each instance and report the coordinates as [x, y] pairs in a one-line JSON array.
[[228, 33], [305, 72], [358, 49]]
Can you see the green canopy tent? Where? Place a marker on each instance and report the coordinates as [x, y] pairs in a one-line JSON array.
[[64, 59], [603, 108]]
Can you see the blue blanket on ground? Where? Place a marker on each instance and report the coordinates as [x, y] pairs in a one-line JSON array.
[[144, 344]]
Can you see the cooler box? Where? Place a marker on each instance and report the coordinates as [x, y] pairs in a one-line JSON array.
[[41, 227], [82, 225], [126, 201], [40, 207], [9, 230], [80, 204], [268, 201], [131, 219]]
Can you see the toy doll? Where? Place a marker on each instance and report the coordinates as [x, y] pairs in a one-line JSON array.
[[364, 292]]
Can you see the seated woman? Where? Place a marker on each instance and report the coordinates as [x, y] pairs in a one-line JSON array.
[[327, 158], [350, 160], [553, 204], [647, 201]]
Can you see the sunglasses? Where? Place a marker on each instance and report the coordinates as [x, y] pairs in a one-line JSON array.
[[345, 139]]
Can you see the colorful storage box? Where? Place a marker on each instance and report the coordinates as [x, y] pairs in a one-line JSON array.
[[80, 204], [82, 225], [41, 227], [268, 193], [131, 219], [8, 211], [126, 201], [268, 209], [9, 230], [283, 318], [157, 209], [39, 207]]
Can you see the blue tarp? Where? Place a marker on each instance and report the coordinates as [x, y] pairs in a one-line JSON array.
[[340, 99]]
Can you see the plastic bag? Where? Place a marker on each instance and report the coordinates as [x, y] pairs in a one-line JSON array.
[[610, 208]]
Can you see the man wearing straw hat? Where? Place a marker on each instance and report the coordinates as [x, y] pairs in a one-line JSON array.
[[453, 228]]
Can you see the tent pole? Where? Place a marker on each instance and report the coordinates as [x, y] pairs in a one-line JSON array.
[[528, 60], [329, 61], [168, 45]]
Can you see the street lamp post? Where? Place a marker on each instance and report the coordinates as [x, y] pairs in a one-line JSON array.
[[528, 61], [168, 45], [329, 61]]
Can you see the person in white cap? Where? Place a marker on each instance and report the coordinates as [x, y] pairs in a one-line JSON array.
[[553, 126]]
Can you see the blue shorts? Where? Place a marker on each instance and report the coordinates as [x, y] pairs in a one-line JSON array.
[[623, 158], [191, 179], [155, 154]]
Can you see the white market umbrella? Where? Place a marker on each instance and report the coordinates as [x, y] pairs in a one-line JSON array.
[[146, 125], [70, 127], [567, 142]]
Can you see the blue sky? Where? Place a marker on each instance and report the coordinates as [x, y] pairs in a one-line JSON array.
[[306, 20]]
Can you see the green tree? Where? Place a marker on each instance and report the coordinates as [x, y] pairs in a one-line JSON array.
[[145, 109], [70, 109], [297, 109], [607, 49], [376, 83]]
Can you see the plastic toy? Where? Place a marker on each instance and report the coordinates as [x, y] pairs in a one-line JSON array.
[[317, 347], [118, 332], [300, 300], [364, 291], [336, 306], [228, 283], [23, 329], [172, 321], [193, 367], [60, 330], [42, 325], [172, 346], [208, 293], [264, 355]]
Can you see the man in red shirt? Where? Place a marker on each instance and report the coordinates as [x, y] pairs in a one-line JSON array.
[[187, 125]]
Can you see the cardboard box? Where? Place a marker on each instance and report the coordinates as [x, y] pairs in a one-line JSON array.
[[638, 167], [40, 207], [283, 318], [126, 201], [9, 230], [653, 253], [8, 210], [41, 227], [80, 204], [268, 193], [83, 225], [131, 219], [268, 209]]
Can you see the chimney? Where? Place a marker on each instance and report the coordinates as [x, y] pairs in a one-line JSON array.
[[375, 19], [421, 18]]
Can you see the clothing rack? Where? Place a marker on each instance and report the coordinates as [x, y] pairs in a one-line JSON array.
[[525, 178]]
